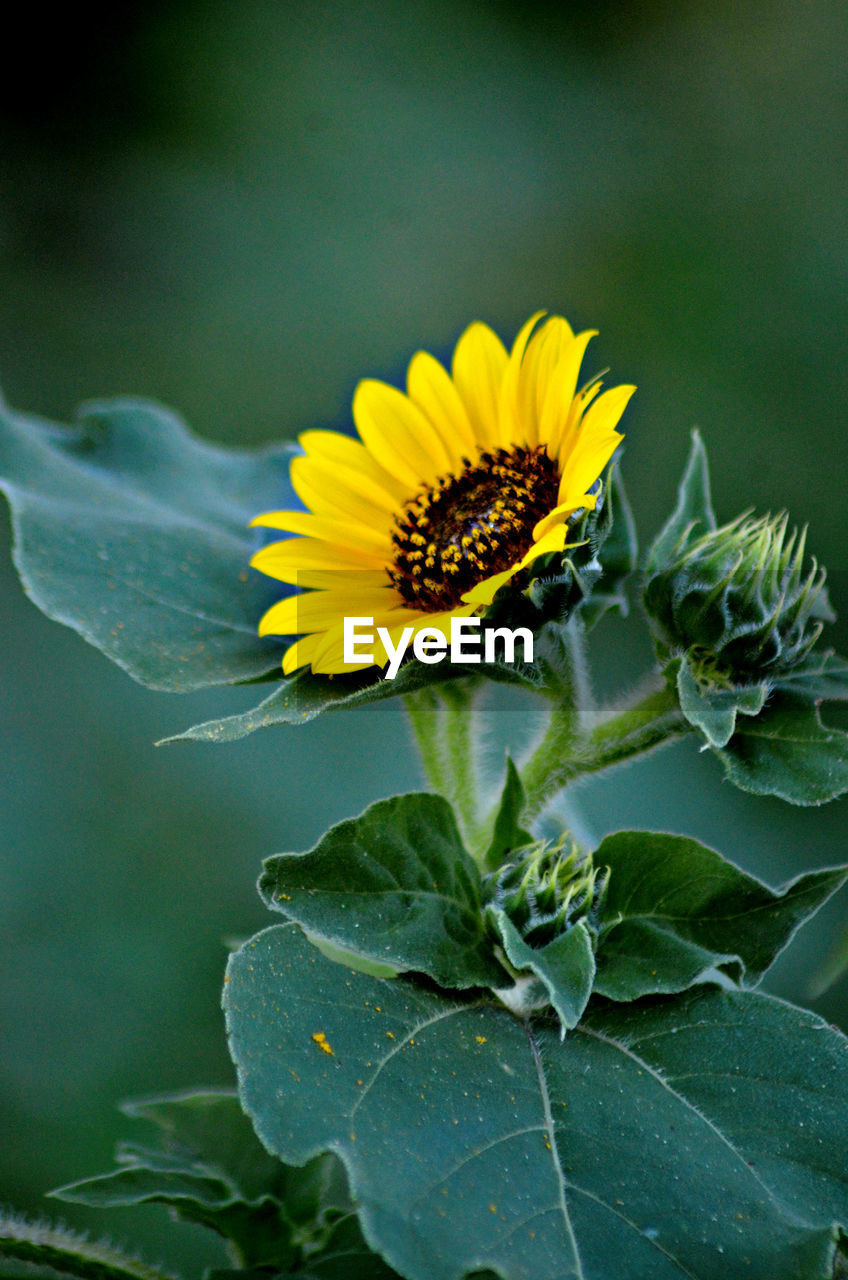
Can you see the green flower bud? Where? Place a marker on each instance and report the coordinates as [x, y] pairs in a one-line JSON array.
[[546, 889], [741, 597]]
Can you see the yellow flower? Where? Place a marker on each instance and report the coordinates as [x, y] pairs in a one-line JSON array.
[[450, 490]]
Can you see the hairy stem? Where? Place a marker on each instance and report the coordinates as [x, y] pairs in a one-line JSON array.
[[568, 751], [443, 722], [424, 711], [67, 1252]]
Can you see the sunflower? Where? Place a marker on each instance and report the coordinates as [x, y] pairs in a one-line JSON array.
[[449, 491]]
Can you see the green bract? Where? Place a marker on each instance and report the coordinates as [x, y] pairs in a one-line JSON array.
[[735, 616], [741, 597], [545, 889]]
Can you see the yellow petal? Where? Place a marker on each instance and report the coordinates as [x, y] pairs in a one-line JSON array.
[[511, 430], [553, 540], [329, 495], [327, 475], [318, 610], [585, 466], [544, 352], [344, 451], [333, 579], [483, 593], [561, 513], [571, 430], [303, 562], [558, 394], [398, 435], [479, 364], [301, 652], [606, 411], [309, 553], [432, 391], [335, 530], [328, 658]]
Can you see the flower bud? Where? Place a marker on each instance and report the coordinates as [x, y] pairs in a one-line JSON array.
[[546, 889], [740, 596]]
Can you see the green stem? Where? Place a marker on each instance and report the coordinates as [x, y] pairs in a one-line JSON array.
[[424, 711], [567, 752], [444, 724], [64, 1251]]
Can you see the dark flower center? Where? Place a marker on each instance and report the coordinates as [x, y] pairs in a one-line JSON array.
[[465, 528]]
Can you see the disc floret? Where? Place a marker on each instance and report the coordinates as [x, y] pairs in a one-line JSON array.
[[472, 525]]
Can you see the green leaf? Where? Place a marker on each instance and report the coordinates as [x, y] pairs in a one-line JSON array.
[[787, 752], [508, 833], [42, 1251], [345, 1256], [702, 1136], [674, 910], [395, 885], [821, 677], [211, 1169], [713, 709], [564, 970], [694, 507], [134, 532], [304, 696]]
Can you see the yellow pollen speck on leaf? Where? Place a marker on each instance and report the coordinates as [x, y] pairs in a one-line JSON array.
[[480, 1039], [493, 1208], [284, 897], [322, 1042], [390, 1035]]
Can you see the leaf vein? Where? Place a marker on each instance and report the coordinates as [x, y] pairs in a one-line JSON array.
[[560, 1178], [662, 1080]]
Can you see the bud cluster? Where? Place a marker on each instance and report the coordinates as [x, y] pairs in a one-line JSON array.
[[546, 889], [740, 595]]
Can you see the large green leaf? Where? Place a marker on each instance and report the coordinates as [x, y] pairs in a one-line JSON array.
[[786, 751], [701, 1136], [134, 532], [396, 886], [694, 508], [674, 910], [209, 1168], [821, 677]]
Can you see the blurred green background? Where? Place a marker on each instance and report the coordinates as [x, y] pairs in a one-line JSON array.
[[240, 209]]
